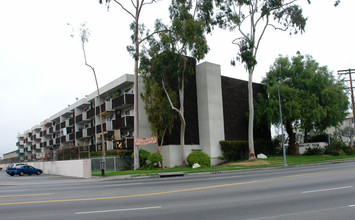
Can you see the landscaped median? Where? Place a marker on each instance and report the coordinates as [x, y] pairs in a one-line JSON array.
[[272, 161]]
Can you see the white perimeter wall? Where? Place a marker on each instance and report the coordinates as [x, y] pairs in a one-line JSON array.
[[72, 168]]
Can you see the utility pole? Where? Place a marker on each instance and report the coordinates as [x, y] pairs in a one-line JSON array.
[[350, 71]]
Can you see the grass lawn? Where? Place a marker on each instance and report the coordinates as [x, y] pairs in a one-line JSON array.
[[272, 161]]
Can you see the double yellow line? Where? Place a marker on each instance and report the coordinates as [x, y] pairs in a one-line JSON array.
[[162, 193]]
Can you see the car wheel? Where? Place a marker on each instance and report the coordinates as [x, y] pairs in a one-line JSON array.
[[21, 173], [12, 174], [38, 172]]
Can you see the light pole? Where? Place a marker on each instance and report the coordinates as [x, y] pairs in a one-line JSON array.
[[282, 130]]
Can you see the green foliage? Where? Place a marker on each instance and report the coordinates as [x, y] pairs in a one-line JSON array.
[[239, 150], [199, 157], [160, 115], [312, 99], [314, 151], [235, 150], [154, 158], [143, 157], [323, 137], [348, 150], [338, 148]]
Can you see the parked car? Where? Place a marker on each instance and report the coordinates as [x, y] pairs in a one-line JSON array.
[[22, 170]]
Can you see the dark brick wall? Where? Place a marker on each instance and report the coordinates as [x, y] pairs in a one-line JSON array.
[[191, 115], [236, 107]]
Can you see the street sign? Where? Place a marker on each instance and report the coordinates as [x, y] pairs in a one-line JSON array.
[[145, 140]]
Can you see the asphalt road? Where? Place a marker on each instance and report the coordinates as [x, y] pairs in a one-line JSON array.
[[307, 192]]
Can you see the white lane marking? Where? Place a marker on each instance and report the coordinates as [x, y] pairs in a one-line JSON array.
[[118, 210], [322, 190], [351, 206]]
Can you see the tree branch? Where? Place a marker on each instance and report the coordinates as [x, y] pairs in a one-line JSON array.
[[125, 8]]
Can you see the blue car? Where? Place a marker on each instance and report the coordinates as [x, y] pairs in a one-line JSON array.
[[22, 170]]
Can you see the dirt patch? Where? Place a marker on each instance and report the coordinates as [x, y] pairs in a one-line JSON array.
[[248, 163]]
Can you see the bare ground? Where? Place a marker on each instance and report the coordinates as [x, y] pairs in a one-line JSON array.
[[250, 163]]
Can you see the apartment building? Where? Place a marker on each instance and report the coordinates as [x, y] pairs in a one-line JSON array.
[[215, 109], [79, 124]]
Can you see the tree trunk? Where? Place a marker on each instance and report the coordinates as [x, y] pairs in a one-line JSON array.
[[292, 138], [251, 117], [136, 95]]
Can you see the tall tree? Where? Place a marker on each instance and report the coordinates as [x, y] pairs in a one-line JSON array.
[[157, 107], [250, 19], [168, 56], [84, 34], [311, 100], [134, 8]]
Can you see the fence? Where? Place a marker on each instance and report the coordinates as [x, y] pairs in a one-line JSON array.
[[113, 164]]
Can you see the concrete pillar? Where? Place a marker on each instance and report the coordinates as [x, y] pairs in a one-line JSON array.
[[210, 109]]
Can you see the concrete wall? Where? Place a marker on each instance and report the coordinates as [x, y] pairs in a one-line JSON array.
[[303, 147], [210, 109], [71, 168]]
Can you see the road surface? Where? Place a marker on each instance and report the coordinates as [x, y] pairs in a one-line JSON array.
[[306, 192]]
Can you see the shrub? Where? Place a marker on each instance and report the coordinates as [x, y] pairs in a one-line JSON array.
[[154, 158], [348, 150], [314, 151], [199, 157], [235, 150], [143, 157], [317, 138], [335, 152]]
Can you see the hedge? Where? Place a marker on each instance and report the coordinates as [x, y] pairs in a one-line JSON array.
[[239, 150]]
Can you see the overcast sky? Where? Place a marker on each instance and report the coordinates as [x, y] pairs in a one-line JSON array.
[[42, 68]]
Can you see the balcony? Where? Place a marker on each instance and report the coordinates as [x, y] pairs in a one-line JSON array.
[[63, 139], [98, 128], [50, 130], [37, 137], [82, 134], [62, 125], [44, 144], [123, 101], [79, 118], [71, 136], [103, 109], [50, 143], [57, 141], [124, 122], [90, 113], [106, 108], [21, 151], [57, 128], [38, 146], [91, 131], [21, 142], [69, 122]]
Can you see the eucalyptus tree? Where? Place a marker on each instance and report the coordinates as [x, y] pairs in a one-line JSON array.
[[169, 59], [84, 34], [157, 107], [250, 19], [312, 100], [134, 9]]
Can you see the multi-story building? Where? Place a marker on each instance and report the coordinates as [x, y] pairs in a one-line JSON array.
[[215, 109], [79, 124]]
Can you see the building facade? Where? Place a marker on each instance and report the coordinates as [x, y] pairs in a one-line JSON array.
[[215, 109]]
